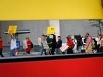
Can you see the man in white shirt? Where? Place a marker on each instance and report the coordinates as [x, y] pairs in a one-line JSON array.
[[41, 48], [13, 46], [98, 43], [39, 41]]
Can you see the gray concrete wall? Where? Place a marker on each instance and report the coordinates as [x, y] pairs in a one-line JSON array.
[[4, 28], [37, 28], [75, 27]]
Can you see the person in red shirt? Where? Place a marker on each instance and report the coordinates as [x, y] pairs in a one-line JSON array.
[[29, 43], [70, 45], [1, 47]]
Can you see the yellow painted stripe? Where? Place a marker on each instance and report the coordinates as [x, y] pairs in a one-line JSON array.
[[50, 9]]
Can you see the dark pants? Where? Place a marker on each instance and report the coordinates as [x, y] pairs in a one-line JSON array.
[[98, 48], [1, 52], [58, 51], [12, 52], [42, 50], [28, 52], [101, 49], [52, 51], [69, 51]]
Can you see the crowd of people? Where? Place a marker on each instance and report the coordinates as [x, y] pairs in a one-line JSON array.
[[75, 44], [49, 45], [15, 46], [52, 44]]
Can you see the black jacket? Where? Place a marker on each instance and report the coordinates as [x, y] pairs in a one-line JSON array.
[[59, 43]]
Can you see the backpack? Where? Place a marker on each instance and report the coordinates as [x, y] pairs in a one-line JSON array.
[[32, 45], [73, 45]]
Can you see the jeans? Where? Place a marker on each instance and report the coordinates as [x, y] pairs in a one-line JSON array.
[[69, 51], [12, 52], [79, 48], [42, 50], [53, 50], [58, 51]]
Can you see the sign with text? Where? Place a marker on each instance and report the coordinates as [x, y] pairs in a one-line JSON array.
[[12, 29], [51, 30]]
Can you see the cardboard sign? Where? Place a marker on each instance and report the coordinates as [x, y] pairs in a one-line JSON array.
[[64, 47], [12, 29], [51, 30]]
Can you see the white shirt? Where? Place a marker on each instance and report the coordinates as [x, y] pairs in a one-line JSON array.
[[98, 40], [39, 41], [75, 45], [24, 44], [45, 44], [13, 44]]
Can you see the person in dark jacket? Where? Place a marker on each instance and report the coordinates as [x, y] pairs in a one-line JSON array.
[[79, 43], [49, 41], [95, 45], [59, 44], [54, 44]]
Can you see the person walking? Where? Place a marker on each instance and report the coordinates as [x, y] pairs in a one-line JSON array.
[[29, 45], [24, 45], [98, 43], [75, 44], [89, 42], [1, 47], [18, 43], [13, 46], [101, 44], [42, 44], [70, 45], [59, 45], [49, 41], [45, 45], [79, 44], [54, 44]]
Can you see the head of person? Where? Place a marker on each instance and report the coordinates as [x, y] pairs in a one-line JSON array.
[[51, 36], [54, 36], [59, 37], [87, 34], [79, 35], [27, 38], [101, 37], [12, 36], [68, 37], [43, 37], [46, 36]]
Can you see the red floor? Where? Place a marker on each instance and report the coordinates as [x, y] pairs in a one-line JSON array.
[[83, 67]]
